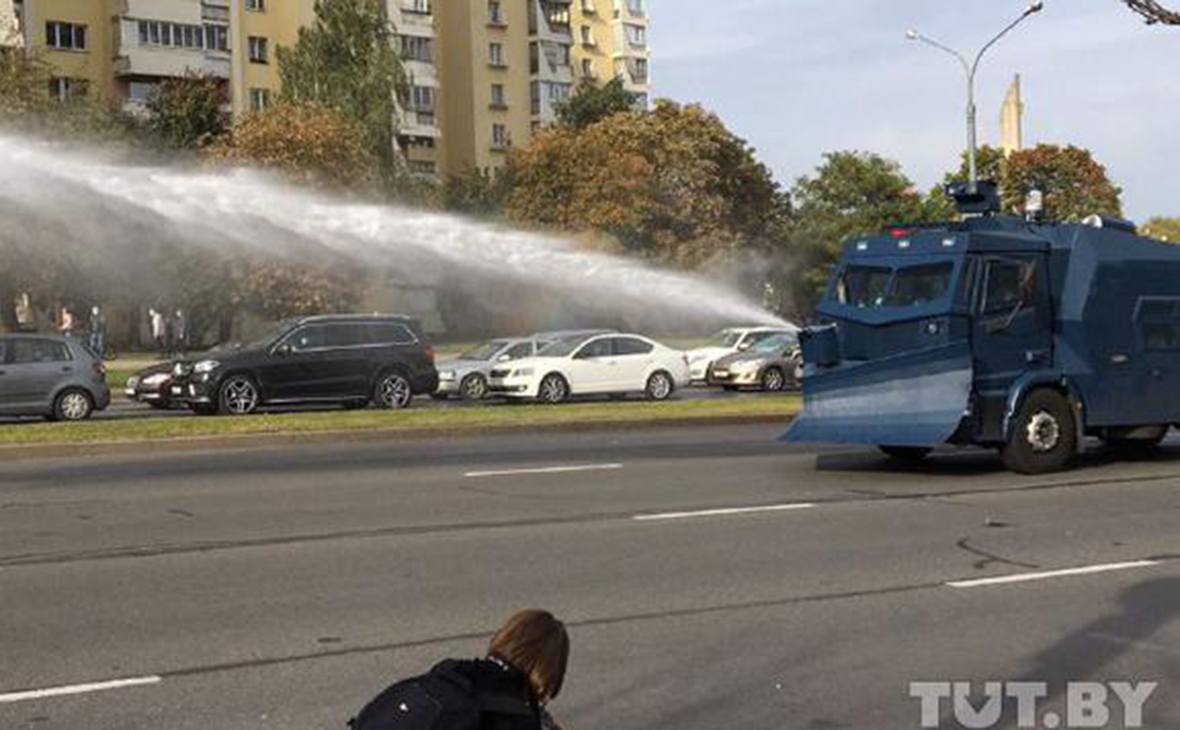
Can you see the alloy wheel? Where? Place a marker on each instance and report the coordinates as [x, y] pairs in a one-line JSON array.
[[239, 397], [474, 387], [394, 392], [659, 386], [75, 406], [553, 389], [773, 380]]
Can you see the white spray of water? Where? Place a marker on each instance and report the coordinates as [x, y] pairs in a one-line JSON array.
[[253, 211]]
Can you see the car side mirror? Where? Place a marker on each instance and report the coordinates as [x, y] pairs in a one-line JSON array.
[[504, 358], [285, 349], [744, 346]]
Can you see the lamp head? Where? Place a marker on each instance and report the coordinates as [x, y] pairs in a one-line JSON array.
[[913, 34], [1035, 8]]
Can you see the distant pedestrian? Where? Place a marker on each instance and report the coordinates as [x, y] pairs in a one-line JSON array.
[[509, 689], [179, 333], [67, 322], [98, 332], [159, 332]]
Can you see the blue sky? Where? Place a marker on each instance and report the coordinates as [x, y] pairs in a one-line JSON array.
[[800, 77]]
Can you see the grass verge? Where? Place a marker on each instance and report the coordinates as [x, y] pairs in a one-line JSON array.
[[414, 420]]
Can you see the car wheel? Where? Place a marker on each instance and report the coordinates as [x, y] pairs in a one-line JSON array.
[[73, 405], [554, 389], [1044, 437], [659, 386], [238, 396], [474, 387], [906, 453], [393, 392], [773, 380]]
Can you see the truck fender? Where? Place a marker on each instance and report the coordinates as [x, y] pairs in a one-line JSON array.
[[1054, 380]]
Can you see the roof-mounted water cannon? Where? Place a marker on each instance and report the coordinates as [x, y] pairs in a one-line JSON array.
[[980, 198]]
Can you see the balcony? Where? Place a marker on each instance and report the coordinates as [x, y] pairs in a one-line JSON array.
[[551, 19]]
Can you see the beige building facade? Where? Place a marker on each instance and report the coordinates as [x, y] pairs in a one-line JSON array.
[[485, 75]]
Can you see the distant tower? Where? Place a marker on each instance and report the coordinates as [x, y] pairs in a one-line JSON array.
[[9, 30], [1012, 120]]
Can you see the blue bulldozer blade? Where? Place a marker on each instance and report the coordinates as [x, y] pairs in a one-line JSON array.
[[916, 399]]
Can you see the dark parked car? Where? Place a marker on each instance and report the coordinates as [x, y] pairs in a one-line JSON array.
[[152, 385], [55, 377], [354, 360]]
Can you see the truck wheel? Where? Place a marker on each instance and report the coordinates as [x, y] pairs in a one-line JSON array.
[[911, 454], [1044, 435]]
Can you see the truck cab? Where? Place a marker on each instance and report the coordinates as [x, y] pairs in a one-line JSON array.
[[995, 332]]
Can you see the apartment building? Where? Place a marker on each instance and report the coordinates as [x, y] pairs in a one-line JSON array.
[[419, 128], [484, 74], [10, 35], [611, 41]]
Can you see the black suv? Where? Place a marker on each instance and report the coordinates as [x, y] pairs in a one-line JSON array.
[[349, 359]]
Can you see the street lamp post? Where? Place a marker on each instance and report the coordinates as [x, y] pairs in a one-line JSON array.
[[972, 69]]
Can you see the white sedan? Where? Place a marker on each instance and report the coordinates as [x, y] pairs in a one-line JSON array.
[[609, 364]]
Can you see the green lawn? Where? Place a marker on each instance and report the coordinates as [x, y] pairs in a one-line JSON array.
[[416, 419]]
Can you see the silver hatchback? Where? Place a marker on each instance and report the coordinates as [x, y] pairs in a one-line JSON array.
[[55, 377]]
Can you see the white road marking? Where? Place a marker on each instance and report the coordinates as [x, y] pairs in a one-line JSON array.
[[728, 512], [78, 689], [546, 470], [1047, 575]]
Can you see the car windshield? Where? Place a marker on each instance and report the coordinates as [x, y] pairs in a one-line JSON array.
[[873, 287], [486, 351], [728, 339], [563, 347], [268, 340], [776, 343]]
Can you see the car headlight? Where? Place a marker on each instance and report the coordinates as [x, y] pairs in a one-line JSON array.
[[447, 375], [744, 366], [206, 366], [523, 373], [154, 380]]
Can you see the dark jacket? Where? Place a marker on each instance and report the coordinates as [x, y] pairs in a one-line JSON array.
[[493, 680]]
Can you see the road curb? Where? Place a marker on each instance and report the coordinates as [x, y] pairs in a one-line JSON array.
[[22, 452]]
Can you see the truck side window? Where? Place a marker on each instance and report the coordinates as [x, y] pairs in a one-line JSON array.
[[1158, 322], [1010, 282]]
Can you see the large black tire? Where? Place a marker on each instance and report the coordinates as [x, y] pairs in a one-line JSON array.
[[553, 389], [910, 454], [1044, 435], [774, 380], [393, 391], [238, 396], [474, 387], [660, 386], [73, 404]]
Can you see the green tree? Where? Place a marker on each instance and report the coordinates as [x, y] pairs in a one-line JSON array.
[[346, 60], [1165, 229], [851, 194], [673, 185], [1075, 185], [476, 193], [26, 104], [188, 112], [592, 103], [310, 145]]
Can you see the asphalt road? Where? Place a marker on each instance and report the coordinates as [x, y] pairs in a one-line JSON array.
[[711, 578]]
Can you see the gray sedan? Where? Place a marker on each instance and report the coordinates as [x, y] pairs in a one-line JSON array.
[[467, 375], [772, 365], [55, 377]]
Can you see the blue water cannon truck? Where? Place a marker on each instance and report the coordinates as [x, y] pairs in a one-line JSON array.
[[997, 331]]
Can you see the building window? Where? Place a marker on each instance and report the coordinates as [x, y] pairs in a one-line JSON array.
[[416, 48], [635, 7], [420, 7], [65, 36], [498, 100], [588, 7], [587, 36], [639, 70], [422, 167], [66, 89], [496, 12], [258, 48], [256, 6], [587, 68], [499, 137], [217, 37], [259, 99], [138, 92], [496, 54], [636, 35]]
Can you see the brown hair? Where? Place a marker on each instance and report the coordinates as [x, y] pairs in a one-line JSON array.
[[536, 644]]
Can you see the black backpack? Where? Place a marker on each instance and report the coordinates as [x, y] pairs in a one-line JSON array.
[[443, 699]]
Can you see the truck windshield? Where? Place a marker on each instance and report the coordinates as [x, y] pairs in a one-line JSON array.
[[873, 287]]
